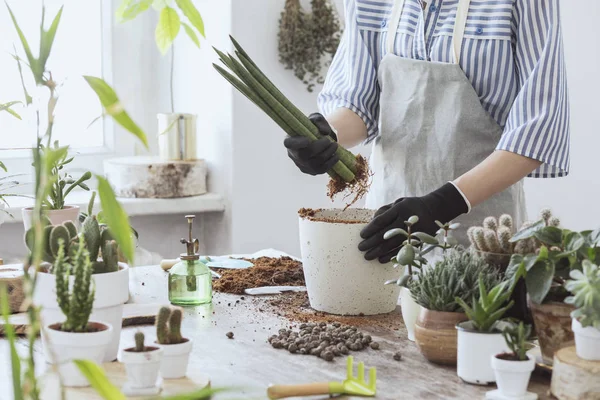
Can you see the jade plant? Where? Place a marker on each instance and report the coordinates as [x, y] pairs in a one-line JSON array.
[[585, 289], [437, 288], [77, 303], [168, 326], [516, 337], [418, 244]]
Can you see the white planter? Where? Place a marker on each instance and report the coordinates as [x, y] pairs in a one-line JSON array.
[[142, 368], [512, 377], [3, 214], [68, 346], [57, 217], [338, 278], [474, 351], [410, 312], [112, 291], [175, 359], [587, 341]]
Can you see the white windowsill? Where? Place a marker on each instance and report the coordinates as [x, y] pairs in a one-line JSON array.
[[209, 202]]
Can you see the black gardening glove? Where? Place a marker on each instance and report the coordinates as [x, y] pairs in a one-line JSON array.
[[314, 158], [443, 204]]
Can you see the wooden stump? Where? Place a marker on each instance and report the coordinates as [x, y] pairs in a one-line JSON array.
[[574, 378], [151, 177], [12, 276]]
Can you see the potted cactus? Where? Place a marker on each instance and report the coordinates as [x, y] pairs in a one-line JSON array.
[[585, 289], [110, 277], [76, 337], [513, 369], [435, 290], [176, 348], [142, 364], [480, 337]]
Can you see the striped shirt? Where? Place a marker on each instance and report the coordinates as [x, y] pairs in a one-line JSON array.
[[512, 53]]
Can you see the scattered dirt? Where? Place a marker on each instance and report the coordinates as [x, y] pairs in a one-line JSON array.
[[229, 335], [296, 308], [357, 188], [267, 271], [311, 215], [397, 356], [508, 356]]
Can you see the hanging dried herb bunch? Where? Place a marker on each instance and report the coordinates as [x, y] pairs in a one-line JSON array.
[[307, 42]]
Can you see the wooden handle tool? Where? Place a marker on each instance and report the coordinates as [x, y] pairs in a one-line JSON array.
[[285, 391]]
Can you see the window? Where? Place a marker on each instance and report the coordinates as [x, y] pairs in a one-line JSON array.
[[78, 50]]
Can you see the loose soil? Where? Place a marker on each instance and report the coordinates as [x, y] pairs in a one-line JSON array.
[[311, 215], [357, 188], [508, 357], [267, 271]]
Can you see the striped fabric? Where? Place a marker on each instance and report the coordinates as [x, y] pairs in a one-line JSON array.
[[512, 54]]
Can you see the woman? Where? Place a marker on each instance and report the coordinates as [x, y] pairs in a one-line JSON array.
[[461, 100]]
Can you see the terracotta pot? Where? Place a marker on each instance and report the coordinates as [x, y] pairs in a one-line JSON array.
[[57, 217], [435, 335], [553, 327]]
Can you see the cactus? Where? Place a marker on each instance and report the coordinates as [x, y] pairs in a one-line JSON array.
[[479, 242], [506, 221], [168, 326], [491, 240], [504, 234], [91, 233], [76, 304], [110, 256], [490, 223], [139, 342]]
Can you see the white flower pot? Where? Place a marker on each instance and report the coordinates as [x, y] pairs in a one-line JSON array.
[[57, 217], [512, 377], [587, 341], [338, 278], [175, 359], [69, 346], [410, 312], [474, 351], [142, 368], [112, 291]]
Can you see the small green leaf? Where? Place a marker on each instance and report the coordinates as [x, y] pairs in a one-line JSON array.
[[116, 218], [528, 232], [394, 232], [539, 281], [594, 238], [113, 107], [190, 32], [47, 39], [99, 381], [33, 62], [413, 220], [133, 10], [425, 238], [406, 255], [167, 29], [549, 235], [6, 107], [192, 14], [3, 167], [454, 226], [121, 9], [574, 241]]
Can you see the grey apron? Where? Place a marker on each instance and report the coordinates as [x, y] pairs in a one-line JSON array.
[[433, 129]]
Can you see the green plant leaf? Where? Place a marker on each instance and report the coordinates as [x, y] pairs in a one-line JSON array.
[[7, 108], [394, 232], [192, 14], [47, 39], [190, 32], [99, 381], [574, 241], [167, 29], [113, 107], [425, 238], [203, 394], [133, 10], [528, 232], [116, 218], [33, 62], [539, 280], [406, 255], [9, 332], [3, 167], [28, 98], [549, 235]]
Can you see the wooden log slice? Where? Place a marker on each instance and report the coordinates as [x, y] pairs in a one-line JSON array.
[[574, 378]]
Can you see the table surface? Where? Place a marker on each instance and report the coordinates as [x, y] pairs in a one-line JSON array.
[[250, 364]]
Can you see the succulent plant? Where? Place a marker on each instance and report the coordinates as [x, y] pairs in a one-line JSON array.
[[454, 276], [168, 326], [95, 237], [139, 342], [516, 339], [585, 287], [76, 304]]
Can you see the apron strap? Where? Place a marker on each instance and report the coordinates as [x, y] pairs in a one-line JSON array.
[[394, 21], [460, 24]]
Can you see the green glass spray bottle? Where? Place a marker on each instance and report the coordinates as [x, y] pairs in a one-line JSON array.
[[190, 280]]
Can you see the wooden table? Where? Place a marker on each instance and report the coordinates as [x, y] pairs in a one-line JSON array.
[[250, 364]]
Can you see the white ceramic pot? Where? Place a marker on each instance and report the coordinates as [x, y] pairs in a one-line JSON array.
[[112, 291], [410, 312], [512, 377], [68, 346], [175, 359], [474, 351], [338, 278], [142, 368], [57, 217], [587, 341]]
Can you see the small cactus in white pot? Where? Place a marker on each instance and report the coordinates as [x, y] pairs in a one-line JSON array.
[[585, 287], [142, 364], [176, 348]]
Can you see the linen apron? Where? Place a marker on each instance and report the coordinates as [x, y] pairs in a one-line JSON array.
[[433, 129]]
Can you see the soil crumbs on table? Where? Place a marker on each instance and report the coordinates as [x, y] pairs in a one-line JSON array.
[[267, 271], [296, 308]]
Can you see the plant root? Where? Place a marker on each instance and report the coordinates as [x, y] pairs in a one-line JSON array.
[[356, 189]]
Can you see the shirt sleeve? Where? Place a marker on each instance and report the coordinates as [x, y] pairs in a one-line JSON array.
[[538, 123], [351, 81]]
